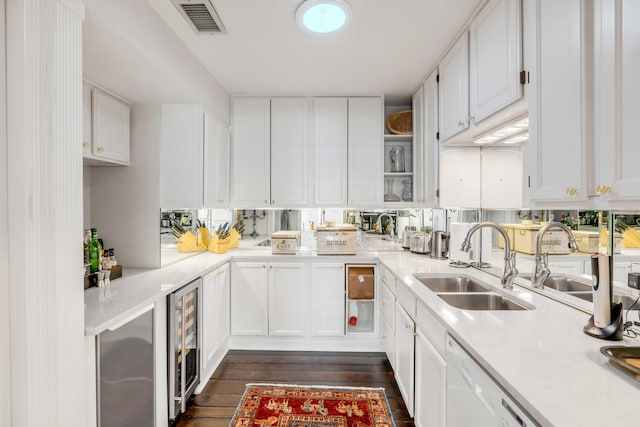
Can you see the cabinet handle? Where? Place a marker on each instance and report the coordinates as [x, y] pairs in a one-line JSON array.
[[266, 202], [407, 326], [264, 266], [384, 303], [273, 202], [472, 119], [220, 273], [603, 189], [384, 337], [270, 267], [415, 334], [85, 144], [100, 149], [572, 191]]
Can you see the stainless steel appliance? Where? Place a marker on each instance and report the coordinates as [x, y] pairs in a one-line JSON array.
[[126, 391], [184, 345], [406, 236], [439, 247], [473, 398], [420, 242]]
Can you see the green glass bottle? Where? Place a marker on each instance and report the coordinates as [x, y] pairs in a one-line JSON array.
[[95, 249]]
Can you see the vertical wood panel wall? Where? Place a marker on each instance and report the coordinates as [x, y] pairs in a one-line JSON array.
[[44, 95]]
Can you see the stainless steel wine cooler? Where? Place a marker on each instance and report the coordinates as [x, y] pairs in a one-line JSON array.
[[184, 345]]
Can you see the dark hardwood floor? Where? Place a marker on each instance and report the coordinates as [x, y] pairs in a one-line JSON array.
[[215, 406]]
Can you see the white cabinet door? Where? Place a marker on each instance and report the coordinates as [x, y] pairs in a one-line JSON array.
[[287, 298], [181, 163], [454, 89], [330, 151], [209, 322], [215, 318], [387, 323], [249, 297], [327, 299], [431, 144], [616, 100], [250, 152], [418, 147], [557, 127], [365, 152], [289, 152], [460, 177], [216, 162], [404, 355], [110, 128], [86, 120], [495, 58], [501, 178], [431, 384]]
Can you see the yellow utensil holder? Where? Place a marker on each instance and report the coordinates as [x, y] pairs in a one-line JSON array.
[[218, 246], [203, 237], [188, 242], [234, 238]]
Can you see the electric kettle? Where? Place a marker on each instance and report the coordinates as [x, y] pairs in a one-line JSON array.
[[439, 247]]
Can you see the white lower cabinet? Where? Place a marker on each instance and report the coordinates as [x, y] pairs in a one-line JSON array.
[[404, 354], [249, 298], [215, 319], [287, 294], [268, 298], [431, 384], [327, 299]]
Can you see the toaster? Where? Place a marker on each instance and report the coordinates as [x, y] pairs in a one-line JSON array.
[[420, 242]]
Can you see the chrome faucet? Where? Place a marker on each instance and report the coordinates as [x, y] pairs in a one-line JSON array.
[[541, 270], [510, 270]]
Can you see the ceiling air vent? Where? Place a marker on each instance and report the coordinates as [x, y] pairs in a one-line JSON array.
[[201, 16]]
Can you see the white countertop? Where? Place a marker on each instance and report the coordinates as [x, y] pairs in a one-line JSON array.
[[541, 357]]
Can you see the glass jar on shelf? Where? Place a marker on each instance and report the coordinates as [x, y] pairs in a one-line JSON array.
[[407, 190]]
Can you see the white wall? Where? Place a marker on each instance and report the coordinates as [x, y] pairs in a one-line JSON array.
[[130, 50], [5, 350]]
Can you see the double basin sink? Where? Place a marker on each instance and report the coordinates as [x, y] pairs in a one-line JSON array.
[[580, 289], [467, 293]]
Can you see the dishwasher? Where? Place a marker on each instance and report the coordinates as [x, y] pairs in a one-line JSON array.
[[474, 398]]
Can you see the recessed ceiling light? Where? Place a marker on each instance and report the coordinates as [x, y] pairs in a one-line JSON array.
[[323, 16]]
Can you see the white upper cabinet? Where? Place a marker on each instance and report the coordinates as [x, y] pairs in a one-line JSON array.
[[501, 178], [106, 128], [430, 144], [418, 146], [460, 169], [330, 133], [616, 100], [250, 152], [216, 162], [181, 165], [495, 58], [454, 89], [556, 156], [365, 152], [289, 152]]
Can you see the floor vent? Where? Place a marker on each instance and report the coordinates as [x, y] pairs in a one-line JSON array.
[[201, 16]]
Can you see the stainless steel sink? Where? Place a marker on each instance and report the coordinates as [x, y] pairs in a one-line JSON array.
[[481, 302], [563, 283], [451, 284]]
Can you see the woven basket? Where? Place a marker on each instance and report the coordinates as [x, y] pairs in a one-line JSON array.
[[400, 123]]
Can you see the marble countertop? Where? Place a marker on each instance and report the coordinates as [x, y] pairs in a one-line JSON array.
[[541, 357]]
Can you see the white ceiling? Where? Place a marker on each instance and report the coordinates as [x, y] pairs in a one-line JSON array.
[[388, 48]]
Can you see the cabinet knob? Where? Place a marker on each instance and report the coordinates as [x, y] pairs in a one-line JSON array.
[[460, 124], [264, 266], [266, 202], [407, 326], [100, 149], [415, 334], [472, 119], [572, 191], [603, 189], [85, 144], [270, 267], [384, 303]]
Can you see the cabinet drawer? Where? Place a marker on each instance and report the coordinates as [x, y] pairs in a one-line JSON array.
[[406, 299], [388, 279], [434, 330]]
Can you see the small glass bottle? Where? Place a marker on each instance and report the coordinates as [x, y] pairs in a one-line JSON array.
[[112, 257], [95, 249], [106, 260]]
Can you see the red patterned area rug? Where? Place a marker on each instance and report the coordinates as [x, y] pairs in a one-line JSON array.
[[281, 405]]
